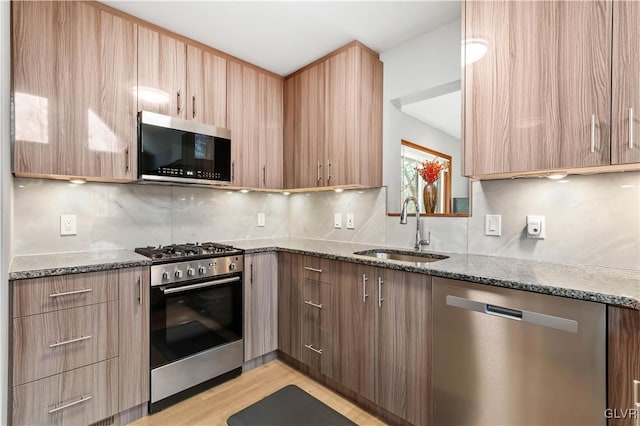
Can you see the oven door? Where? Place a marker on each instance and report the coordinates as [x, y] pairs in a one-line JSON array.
[[184, 151], [193, 317]]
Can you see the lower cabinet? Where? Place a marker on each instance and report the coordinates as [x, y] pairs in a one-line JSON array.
[[80, 346], [366, 328], [623, 403], [260, 304]]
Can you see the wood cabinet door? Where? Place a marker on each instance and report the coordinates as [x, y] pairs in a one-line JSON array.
[[625, 142], [623, 331], [404, 345], [74, 78], [341, 149], [243, 106], [309, 118], [355, 332], [290, 304], [270, 134], [134, 293], [540, 98], [206, 87], [161, 74], [260, 305]]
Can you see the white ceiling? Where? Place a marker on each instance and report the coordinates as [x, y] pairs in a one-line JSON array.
[[442, 112], [284, 36]]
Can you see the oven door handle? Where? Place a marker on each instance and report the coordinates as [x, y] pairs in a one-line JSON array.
[[200, 285]]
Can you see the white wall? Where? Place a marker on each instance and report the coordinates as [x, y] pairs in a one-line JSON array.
[[6, 193], [130, 215], [427, 61]]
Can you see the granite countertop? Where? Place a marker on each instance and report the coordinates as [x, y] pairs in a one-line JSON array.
[[44, 265], [620, 287]]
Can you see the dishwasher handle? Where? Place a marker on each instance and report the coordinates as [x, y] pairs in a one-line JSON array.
[[500, 311], [530, 317]]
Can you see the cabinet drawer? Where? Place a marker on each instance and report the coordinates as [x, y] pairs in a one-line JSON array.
[[317, 304], [78, 397], [315, 268], [40, 295], [316, 348], [52, 343]]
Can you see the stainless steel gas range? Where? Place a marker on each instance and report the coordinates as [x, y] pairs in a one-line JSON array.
[[195, 320]]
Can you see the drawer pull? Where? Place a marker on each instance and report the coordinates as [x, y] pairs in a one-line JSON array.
[[66, 342], [318, 351], [71, 404], [71, 293], [309, 268], [315, 305]]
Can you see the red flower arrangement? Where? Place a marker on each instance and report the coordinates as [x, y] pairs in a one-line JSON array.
[[430, 170]]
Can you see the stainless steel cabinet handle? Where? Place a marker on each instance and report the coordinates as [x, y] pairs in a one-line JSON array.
[[127, 159], [630, 128], [233, 166], [70, 293], [309, 268], [364, 288], [328, 170], [251, 276], [264, 175], [66, 342], [319, 174], [139, 290], [71, 404], [178, 101], [318, 351], [380, 299], [593, 133], [193, 103], [315, 305]]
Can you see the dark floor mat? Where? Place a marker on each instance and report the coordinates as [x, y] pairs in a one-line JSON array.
[[290, 406]]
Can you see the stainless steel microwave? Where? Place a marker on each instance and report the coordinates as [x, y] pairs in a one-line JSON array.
[[182, 151]]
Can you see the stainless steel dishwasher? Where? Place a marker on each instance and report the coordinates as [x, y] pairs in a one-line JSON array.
[[510, 357]]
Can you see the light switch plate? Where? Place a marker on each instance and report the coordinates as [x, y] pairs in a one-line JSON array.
[[493, 225], [68, 224], [337, 220], [261, 219], [351, 223]]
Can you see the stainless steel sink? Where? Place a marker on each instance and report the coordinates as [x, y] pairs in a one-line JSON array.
[[402, 256]]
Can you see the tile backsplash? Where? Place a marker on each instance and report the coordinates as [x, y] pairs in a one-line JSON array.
[[593, 220]]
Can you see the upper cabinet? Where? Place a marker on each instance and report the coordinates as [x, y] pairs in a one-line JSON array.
[[333, 121], [162, 74], [625, 146], [540, 97], [74, 96], [180, 80], [255, 110]]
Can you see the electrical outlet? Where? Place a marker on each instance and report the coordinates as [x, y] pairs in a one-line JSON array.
[[261, 219], [68, 225], [535, 227], [351, 224], [337, 220]]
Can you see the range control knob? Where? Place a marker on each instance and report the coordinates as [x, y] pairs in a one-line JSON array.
[[191, 272], [202, 270], [165, 275], [232, 266], [178, 273]]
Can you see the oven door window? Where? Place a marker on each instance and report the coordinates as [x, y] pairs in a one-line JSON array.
[[185, 323]]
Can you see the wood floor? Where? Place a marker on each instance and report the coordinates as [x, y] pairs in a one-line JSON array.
[[214, 406]]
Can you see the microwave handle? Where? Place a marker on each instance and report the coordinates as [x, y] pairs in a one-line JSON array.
[[199, 285]]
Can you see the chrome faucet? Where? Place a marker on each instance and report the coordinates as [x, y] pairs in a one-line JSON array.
[[403, 221]]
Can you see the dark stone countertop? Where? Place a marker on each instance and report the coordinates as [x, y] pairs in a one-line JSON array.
[[619, 287], [51, 264]]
